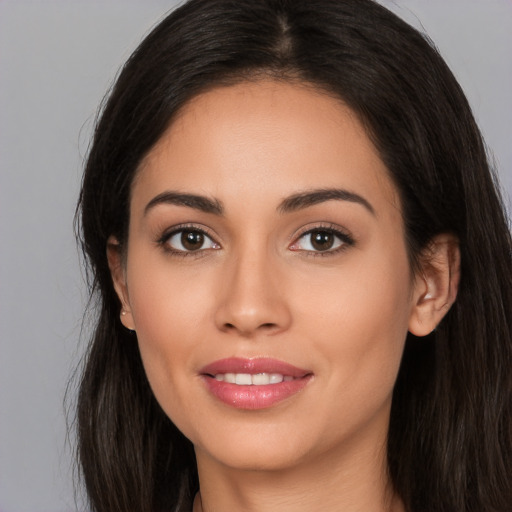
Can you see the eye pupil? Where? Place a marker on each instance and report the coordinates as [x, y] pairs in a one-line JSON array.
[[322, 240], [192, 240]]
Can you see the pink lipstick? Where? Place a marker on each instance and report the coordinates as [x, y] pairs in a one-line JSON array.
[[253, 384]]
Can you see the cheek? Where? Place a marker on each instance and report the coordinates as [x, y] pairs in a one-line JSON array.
[[358, 318], [165, 306], [170, 309], [166, 296]]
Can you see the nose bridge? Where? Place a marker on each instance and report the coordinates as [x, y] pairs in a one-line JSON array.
[[253, 297]]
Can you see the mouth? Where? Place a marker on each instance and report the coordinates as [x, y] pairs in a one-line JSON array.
[[252, 384], [257, 379]]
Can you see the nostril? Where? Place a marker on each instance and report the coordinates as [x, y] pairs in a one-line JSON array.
[[228, 326]]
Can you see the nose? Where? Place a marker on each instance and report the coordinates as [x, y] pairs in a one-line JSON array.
[[253, 298]]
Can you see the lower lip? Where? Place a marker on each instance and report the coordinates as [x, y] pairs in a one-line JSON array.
[[254, 397]]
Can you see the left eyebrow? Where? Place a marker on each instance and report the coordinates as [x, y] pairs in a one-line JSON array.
[[312, 197]]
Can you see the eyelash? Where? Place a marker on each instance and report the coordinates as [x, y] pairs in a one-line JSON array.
[[164, 239], [345, 239]]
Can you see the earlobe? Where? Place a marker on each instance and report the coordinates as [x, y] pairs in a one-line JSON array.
[[117, 271], [436, 285]]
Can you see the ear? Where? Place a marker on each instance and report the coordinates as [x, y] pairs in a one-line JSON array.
[[117, 271], [436, 284]]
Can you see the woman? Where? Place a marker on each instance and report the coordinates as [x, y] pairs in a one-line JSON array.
[[303, 272]]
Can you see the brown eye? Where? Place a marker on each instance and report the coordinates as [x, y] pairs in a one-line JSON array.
[[189, 240], [322, 240], [192, 240]]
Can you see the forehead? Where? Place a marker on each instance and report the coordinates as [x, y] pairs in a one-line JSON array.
[[264, 137]]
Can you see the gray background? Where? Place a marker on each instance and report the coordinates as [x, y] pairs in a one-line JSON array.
[[57, 58]]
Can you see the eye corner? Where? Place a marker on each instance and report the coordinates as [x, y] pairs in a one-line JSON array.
[[330, 240], [180, 240]]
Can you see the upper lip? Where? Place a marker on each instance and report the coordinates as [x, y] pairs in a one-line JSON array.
[[253, 366]]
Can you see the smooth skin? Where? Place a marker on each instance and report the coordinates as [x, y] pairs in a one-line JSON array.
[[323, 283]]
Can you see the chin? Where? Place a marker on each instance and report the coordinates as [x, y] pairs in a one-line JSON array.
[[254, 449], [254, 458]]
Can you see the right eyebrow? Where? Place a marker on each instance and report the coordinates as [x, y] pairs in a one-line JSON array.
[[202, 203]]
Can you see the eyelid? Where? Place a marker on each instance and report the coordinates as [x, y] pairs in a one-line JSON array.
[[346, 238], [174, 230], [343, 235]]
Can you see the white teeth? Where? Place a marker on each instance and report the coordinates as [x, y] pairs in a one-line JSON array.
[[243, 379], [276, 378], [258, 379], [261, 379], [229, 377]]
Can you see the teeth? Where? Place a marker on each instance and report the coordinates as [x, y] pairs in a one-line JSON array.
[[243, 379], [275, 378], [261, 379], [258, 379], [230, 377]]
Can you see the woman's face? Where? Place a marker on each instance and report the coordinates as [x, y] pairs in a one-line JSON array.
[[267, 277]]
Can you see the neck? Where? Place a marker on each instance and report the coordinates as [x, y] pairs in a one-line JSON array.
[[356, 482]]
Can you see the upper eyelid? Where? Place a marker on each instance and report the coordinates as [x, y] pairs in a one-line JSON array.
[[307, 229], [327, 226], [168, 233], [344, 236], [163, 241]]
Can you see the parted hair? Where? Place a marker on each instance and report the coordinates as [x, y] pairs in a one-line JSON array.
[[450, 435]]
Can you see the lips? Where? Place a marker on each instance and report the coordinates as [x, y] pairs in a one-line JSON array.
[[256, 383]]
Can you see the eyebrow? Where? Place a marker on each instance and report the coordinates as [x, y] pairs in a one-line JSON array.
[[312, 197], [197, 202], [290, 204]]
